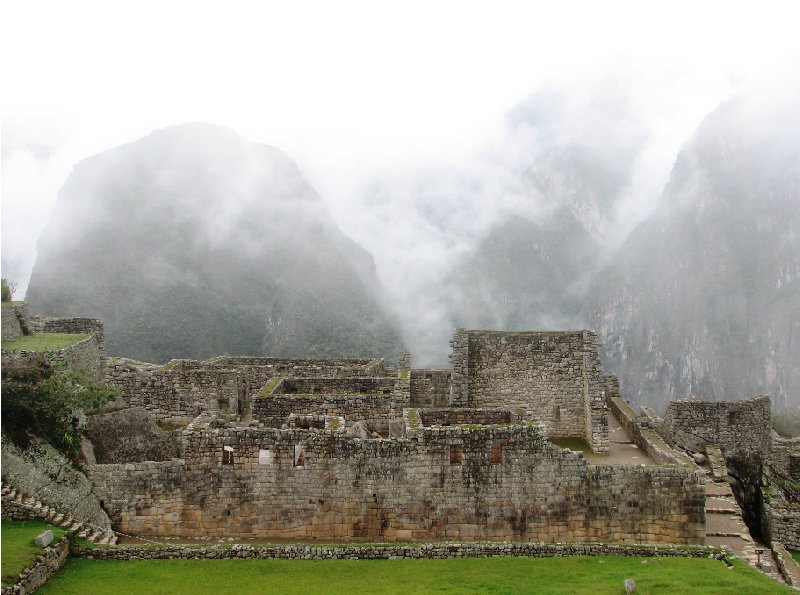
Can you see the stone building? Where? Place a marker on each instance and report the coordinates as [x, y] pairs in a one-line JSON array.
[[523, 439]]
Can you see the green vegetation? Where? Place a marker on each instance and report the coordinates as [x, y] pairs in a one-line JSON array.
[[169, 426], [43, 342], [476, 575], [270, 386], [576, 444], [795, 555], [38, 402], [19, 550], [8, 289]]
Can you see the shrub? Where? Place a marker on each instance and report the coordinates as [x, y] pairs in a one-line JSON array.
[[39, 402], [8, 289]]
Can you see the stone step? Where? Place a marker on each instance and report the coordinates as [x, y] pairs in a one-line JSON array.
[[722, 511], [75, 525]]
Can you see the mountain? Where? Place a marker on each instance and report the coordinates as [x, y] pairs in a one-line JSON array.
[[704, 297], [194, 242], [532, 269]]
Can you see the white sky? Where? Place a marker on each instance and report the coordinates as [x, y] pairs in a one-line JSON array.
[[350, 90]]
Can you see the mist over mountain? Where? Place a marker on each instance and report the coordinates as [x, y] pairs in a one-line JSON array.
[[193, 242], [533, 266], [704, 297]]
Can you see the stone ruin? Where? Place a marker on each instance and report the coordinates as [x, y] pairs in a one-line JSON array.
[[357, 449]]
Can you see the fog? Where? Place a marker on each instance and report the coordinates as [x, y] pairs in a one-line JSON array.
[[423, 128]]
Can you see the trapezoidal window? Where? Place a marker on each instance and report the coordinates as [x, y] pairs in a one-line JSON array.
[[556, 412], [227, 455], [299, 456], [496, 453], [456, 454], [266, 457]]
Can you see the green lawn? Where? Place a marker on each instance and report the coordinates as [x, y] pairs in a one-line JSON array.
[[43, 341], [477, 575], [18, 547]]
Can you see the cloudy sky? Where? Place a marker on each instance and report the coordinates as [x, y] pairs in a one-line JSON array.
[[354, 91]]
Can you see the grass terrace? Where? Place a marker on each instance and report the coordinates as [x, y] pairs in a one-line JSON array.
[[44, 341], [19, 550], [595, 575]]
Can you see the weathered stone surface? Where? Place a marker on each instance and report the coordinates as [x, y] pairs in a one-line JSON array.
[[129, 436], [553, 376], [739, 428], [43, 472], [322, 484], [44, 539]]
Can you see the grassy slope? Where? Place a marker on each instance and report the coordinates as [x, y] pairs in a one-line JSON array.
[[43, 341], [481, 575], [18, 547]]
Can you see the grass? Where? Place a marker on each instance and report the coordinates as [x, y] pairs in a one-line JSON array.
[[595, 575], [270, 386], [576, 444], [43, 342], [795, 555], [18, 547]]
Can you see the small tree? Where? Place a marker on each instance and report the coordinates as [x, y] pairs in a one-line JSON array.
[[39, 402], [8, 289]]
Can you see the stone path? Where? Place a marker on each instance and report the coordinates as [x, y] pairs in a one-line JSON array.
[[724, 523], [621, 450], [82, 529]]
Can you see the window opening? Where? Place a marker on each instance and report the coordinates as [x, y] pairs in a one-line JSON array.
[[266, 457], [496, 454]]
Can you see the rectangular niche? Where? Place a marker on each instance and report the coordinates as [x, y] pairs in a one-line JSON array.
[[456, 454], [496, 454], [266, 457]]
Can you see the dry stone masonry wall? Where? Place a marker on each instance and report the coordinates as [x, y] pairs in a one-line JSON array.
[[739, 428], [89, 326], [437, 483], [553, 376]]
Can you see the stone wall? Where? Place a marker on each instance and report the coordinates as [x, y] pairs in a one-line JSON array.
[[642, 432], [782, 523], [391, 552], [490, 482], [51, 478], [11, 321], [274, 409], [453, 417], [336, 386], [430, 388], [129, 435], [181, 389], [555, 377], [45, 567], [89, 326], [739, 428]]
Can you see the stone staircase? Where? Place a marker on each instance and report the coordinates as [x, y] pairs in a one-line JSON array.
[[84, 530], [724, 523]]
